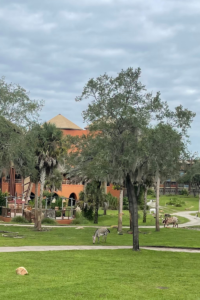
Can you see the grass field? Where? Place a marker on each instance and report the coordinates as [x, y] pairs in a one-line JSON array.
[[70, 236], [107, 274], [191, 203], [112, 219]]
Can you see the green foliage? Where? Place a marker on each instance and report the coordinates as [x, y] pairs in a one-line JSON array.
[[80, 219], [88, 212], [81, 196], [31, 203], [54, 181], [58, 213], [113, 201], [184, 192], [15, 104], [49, 221], [19, 219], [47, 194], [2, 198], [175, 202], [150, 192], [58, 203], [125, 203]]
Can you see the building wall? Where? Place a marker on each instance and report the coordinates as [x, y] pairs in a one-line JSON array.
[[4, 185], [115, 193], [68, 189]]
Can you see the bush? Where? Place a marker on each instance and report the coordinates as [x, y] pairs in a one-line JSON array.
[[19, 219], [88, 212], [58, 213], [113, 201], [2, 198], [81, 196], [80, 219], [125, 203], [150, 192], [49, 221], [184, 192], [176, 202]]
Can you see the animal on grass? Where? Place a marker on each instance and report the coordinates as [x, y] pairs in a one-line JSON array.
[[21, 271], [100, 232], [172, 220]]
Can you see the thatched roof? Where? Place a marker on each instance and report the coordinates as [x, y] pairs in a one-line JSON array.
[[63, 123]]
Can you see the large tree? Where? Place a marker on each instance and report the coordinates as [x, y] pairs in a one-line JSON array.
[[16, 106], [166, 148], [18, 113], [120, 116]]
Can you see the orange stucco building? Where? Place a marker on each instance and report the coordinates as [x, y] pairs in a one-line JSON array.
[[68, 190]]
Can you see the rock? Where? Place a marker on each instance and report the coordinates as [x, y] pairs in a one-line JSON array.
[[21, 271]]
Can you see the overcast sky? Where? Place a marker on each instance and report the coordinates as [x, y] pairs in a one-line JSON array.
[[52, 48]]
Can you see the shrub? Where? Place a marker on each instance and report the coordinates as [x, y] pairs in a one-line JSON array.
[[88, 212], [150, 192], [49, 221], [58, 213], [2, 198], [125, 203], [184, 192], [19, 219], [80, 219], [113, 201], [176, 202], [31, 203], [81, 196]]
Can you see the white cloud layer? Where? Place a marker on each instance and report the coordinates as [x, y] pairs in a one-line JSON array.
[[53, 47]]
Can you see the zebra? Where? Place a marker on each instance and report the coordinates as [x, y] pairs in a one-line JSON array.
[[101, 231]]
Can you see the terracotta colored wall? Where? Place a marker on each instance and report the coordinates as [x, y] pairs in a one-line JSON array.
[[18, 188], [4, 186], [115, 193], [74, 132], [67, 189]]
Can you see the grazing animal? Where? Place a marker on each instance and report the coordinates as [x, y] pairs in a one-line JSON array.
[[167, 216], [172, 220], [101, 231]]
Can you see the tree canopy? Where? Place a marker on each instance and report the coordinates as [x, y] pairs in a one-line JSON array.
[[124, 119]]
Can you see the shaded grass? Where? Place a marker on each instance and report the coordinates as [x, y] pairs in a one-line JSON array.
[[112, 219], [106, 274], [172, 237]]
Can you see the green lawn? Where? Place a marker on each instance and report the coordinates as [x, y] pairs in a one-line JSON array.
[[71, 236], [191, 203], [112, 219], [96, 274]]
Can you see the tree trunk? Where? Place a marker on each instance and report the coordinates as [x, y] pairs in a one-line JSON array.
[[36, 204], [145, 205], [134, 211], [120, 211], [105, 209], [42, 181], [96, 211], [157, 201]]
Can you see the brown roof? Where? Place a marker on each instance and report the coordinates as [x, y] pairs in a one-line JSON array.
[[63, 123]]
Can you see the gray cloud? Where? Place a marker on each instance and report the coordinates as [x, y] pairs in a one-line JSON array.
[[53, 47]]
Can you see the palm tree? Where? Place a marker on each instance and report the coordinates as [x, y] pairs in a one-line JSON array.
[[49, 150]]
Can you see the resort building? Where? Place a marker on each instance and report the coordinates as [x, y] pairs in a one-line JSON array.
[[15, 184]]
